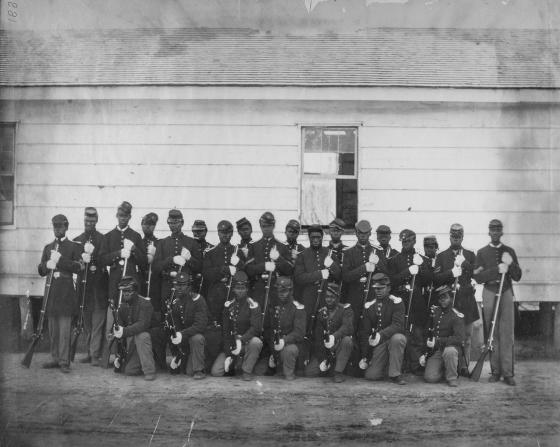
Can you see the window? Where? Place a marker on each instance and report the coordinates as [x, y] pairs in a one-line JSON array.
[[7, 172], [329, 183]]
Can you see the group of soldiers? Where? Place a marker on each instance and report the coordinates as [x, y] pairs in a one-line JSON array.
[[272, 307]]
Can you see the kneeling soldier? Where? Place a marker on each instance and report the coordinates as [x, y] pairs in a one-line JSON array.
[[134, 320], [382, 327], [445, 345], [190, 317], [286, 328], [333, 337], [242, 325]]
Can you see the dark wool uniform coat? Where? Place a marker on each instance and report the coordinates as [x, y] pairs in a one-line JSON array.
[[136, 315], [62, 299], [97, 277], [339, 323], [465, 301], [155, 280], [243, 318], [190, 314], [449, 328], [199, 285], [488, 258], [287, 321]]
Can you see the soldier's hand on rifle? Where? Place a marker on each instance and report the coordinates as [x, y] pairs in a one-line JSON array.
[[330, 343], [238, 346], [227, 363], [373, 258], [363, 363], [431, 343], [328, 262], [86, 257], [269, 266], [118, 332], [234, 260], [151, 250], [128, 244], [274, 253], [507, 259], [55, 256], [422, 360], [324, 366], [186, 254], [245, 251], [280, 345], [177, 339], [457, 271], [503, 268], [417, 259], [150, 258], [125, 253], [51, 265], [459, 260], [175, 362], [413, 269], [374, 341], [179, 260], [232, 270], [325, 273], [370, 267]]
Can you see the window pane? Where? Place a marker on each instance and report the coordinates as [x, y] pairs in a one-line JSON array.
[[6, 199], [7, 142], [329, 150], [321, 163], [318, 202], [347, 201]]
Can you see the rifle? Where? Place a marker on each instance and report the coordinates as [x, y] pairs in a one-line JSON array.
[[122, 353], [486, 348], [38, 334], [170, 327], [79, 327], [331, 354], [430, 335], [409, 307], [311, 329]]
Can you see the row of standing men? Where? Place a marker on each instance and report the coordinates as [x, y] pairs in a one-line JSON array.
[[368, 286]]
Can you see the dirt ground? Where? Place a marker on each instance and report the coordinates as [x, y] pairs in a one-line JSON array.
[[93, 407]]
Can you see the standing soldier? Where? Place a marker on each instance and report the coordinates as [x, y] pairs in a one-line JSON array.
[[444, 345], [292, 232], [149, 222], [62, 257], [336, 229], [333, 337], [190, 316], [133, 325], [96, 284], [493, 261], [382, 328], [200, 230], [244, 229], [383, 237], [360, 262], [430, 251], [455, 267], [286, 327], [314, 267], [242, 325], [409, 273], [122, 245], [220, 264], [267, 256]]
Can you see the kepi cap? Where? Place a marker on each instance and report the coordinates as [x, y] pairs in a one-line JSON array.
[[91, 212], [405, 234], [199, 225], [337, 223], [314, 229], [363, 226], [240, 277], [495, 223], [456, 228], [59, 219], [267, 218], [126, 282], [284, 282], [225, 225], [150, 219], [242, 222], [380, 280], [174, 214], [183, 278], [383, 229], [430, 240], [332, 288], [294, 225], [443, 290], [125, 208]]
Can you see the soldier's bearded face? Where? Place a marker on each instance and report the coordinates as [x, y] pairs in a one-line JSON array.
[[199, 234], [239, 291], [245, 232], [175, 226], [127, 294], [59, 230], [225, 236], [123, 219], [336, 234], [456, 239], [316, 240], [363, 238], [383, 239], [89, 224]]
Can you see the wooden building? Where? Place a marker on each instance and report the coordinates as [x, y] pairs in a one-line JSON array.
[[413, 128]]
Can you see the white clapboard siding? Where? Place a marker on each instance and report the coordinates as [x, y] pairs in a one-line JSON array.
[[160, 154]]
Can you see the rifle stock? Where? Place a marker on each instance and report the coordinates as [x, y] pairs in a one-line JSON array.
[[29, 354], [79, 327], [477, 370]]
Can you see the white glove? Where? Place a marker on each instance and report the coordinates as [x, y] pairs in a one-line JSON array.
[[151, 250], [503, 267], [459, 260], [363, 364], [328, 262], [422, 360], [234, 259], [294, 253], [370, 267], [51, 265], [280, 345], [373, 258], [413, 269], [118, 332], [177, 339], [245, 251], [238, 346], [172, 273], [325, 273], [185, 253], [269, 266], [55, 255], [117, 363], [150, 258], [375, 340], [271, 362], [125, 254], [179, 260], [506, 258], [128, 244], [417, 259], [324, 366], [329, 344], [227, 363], [274, 253], [457, 271], [86, 257], [88, 248], [232, 270], [431, 343], [175, 362]]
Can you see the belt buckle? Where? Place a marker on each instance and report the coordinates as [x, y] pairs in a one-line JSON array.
[[264, 276], [92, 268], [121, 262], [56, 275]]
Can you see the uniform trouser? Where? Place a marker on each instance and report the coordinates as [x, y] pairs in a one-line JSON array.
[[140, 357], [468, 342], [60, 329], [442, 360], [213, 346], [387, 354], [195, 357], [342, 354], [501, 357], [414, 347], [288, 358], [249, 354], [94, 325]]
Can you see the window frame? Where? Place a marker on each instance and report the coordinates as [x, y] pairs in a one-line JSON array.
[[356, 176], [15, 126]]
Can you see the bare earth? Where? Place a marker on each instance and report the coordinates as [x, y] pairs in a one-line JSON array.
[[94, 407]]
